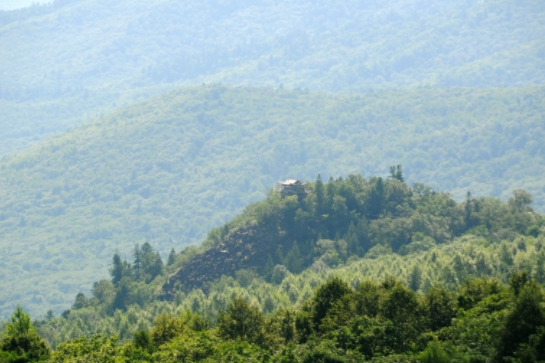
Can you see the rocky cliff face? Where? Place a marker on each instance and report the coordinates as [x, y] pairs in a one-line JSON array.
[[246, 248]]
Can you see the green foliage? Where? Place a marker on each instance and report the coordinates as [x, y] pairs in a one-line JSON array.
[[241, 321], [340, 306], [171, 257], [87, 193], [405, 225], [523, 321], [534, 351], [518, 281], [82, 349], [473, 291], [401, 306], [382, 45], [326, 296], [20, 343], [118, 269], [142, 340], [323, 354], [380, 322], [368, 336], [190, 347], [165, 328], [437, 306], [434, 353], [441, 307], [294, 260], [20, 324]]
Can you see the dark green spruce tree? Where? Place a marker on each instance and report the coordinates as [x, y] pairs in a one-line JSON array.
[[116, 271], [171, 257], [320, 195]]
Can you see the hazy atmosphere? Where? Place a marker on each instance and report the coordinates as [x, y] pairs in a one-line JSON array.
[[156, 133]]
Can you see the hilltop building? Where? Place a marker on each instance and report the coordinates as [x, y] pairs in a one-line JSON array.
[[291, 187]]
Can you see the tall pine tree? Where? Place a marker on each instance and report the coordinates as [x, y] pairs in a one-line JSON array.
[[294, 260], [171, 257], [320, 197], [116, 272]]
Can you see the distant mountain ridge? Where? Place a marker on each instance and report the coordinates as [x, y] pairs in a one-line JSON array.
[[74, 59], [384, 42]]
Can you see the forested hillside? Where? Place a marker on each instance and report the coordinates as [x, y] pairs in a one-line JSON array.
[[345, 219], [384, 272], [141, 146], [483, 321], [169, 169], [76, 58]]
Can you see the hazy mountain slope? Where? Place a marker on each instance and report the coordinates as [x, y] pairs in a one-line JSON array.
[[85, 48], [24, 123], [18, 4], [170, 168]]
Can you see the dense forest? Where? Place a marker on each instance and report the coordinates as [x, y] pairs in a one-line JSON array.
[[171, 168], [483, 321], [73, 59], [361, 270], [142, 149], [323, 46]]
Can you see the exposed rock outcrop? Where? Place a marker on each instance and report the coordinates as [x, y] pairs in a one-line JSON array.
[[246, 248]]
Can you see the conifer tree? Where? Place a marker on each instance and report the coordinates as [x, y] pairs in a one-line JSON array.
[[146, 248], [21, 341], [540, 269], [122, 295], [293, 260], [50, 315], [268, 270], [117, 269], [280, 255], [505, 255], [81, 301], [467, 207], [320, 197], [137, 265], [375, 199], [396, 173], [155, 266], [171, 257], [331, 191], [351, 238], [415, 278], [363, 235], [517, 281]]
